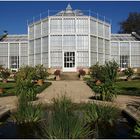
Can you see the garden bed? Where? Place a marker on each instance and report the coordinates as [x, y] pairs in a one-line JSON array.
[[9, 130], [9, 88]]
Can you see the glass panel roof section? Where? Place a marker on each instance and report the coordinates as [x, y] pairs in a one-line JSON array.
[[15, 38], [70, 12], [123, 37]]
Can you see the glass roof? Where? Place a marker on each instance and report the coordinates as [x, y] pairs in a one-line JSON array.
[[70, 12], [123, 37], [15, 38]]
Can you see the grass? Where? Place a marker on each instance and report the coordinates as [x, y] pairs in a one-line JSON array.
[[129, 87], [9, 88]]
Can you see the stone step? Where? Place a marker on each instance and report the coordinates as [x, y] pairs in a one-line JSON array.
[[69, 76]]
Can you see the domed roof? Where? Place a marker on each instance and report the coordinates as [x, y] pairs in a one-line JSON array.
[[70, 12]]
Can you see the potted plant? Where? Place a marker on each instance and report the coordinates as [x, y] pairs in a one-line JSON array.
[[4, 74], [128, 72], [81, 74], [40, 74], [57, 75]]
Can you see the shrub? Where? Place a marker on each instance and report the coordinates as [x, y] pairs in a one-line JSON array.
[[97, 72], [27, 112], [100, 116], [40, 72], [110, 70], [57, 73], [25, 72], [64, 123], [137, 130], [128, 72], [4, 74], [26, 88], [107, 74], [107, 91], [82, 72]]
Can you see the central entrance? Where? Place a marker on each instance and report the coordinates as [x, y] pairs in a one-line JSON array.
[[69, 61]]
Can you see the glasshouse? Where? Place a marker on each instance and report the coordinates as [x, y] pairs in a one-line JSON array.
[[69, 40]]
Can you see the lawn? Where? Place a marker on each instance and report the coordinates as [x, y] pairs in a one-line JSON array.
[[9, 88], [129, 87]]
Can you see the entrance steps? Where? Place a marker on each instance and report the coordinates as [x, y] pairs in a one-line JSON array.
[[69, 76]]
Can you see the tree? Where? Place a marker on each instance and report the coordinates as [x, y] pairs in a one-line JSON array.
[[131, 24]]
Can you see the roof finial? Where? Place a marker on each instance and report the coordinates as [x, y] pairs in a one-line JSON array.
[[69, 7]]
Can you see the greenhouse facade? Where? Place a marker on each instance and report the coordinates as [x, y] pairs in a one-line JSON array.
[[70, 40]]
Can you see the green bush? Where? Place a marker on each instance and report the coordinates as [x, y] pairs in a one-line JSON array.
[[137, 130], [128, 72], [110, 70], [97, 72], [64, 123], [98, 117], [40, 72], [4, 74], [25, 72], [26, 88], [27, 112], [107, 74], [108, 91]]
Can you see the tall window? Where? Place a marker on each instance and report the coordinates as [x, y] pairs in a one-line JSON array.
[[14, 55], [124, 61], [14, 62]]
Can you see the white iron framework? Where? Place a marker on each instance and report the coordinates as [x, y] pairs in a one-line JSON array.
[[69, 40]]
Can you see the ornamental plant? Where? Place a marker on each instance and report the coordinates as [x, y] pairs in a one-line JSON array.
[[57, 73], [98, 117], [25, 72], [24, 83], [128, 72], [107, 75], [4, 74], [82, 72], [97, 72], [27, 112], [64, 123], [40, 72], [137, 130]]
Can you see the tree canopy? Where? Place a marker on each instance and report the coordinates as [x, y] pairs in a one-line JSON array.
[[131, 24]]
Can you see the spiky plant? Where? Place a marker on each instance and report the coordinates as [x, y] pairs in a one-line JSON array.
[[137, 130], [64, 123], [100, 116], [110, 70], [27, 112]]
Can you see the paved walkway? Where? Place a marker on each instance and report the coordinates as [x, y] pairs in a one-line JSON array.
[[78, 91]]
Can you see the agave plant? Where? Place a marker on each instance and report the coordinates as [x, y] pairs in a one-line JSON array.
[[64, 123]]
